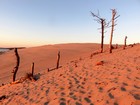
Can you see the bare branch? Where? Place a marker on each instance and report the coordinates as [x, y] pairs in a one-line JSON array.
[[95, 16], [116, 17]]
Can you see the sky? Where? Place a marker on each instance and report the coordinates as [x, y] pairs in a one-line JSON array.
[[41, 22]]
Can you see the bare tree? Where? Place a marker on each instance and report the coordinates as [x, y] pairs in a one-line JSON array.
[[17, 64], [114, 17], [103, 23]]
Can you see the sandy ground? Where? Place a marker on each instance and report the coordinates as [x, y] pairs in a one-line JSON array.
[[103, 79], [44, 57]]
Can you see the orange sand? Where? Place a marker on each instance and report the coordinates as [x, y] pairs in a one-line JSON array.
[[80, 81]]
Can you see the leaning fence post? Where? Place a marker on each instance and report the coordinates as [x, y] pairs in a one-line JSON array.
[[17, 64], [58, 59]]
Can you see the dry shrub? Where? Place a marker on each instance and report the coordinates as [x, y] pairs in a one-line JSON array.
[[28, 76]]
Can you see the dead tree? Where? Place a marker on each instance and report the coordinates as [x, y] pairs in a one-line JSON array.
[[17, 64], [125, 42], [103, 23], [58, 59], [32, 67], [114, 17]]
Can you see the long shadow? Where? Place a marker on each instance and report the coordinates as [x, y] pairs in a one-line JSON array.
[[52, 69]]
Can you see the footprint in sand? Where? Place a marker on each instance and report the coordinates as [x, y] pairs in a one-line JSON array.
[[125, 84], [100, 89], [123, 89], [74, 97], [136, 96], [46, 103], [87, 100], [47, 91], [77, 103], [71, 95], [111, 96], [83, 83], [82, 92], [129, 70], [62, 88], [116, 103], [138, 87], [138, 78], [3, 97], [62, 99], [62, 103], [63, 94]]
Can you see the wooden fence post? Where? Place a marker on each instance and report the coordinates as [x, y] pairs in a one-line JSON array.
[[17, 64], [125, 42], [58, 59]]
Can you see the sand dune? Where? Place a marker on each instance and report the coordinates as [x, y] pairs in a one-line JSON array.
[[44, 57], [103, 79]]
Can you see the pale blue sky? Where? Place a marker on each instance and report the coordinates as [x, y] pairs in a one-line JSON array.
[[41, 22]]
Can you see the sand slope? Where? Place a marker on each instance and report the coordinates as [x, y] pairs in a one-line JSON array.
[[84, 81], [44, 57]]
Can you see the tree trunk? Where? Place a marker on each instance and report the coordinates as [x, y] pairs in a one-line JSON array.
[[102, 37], [17, 64], [110, 45], [112, 29]]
